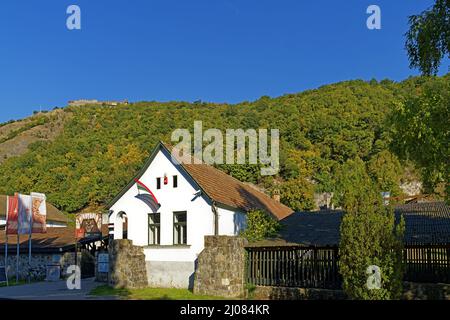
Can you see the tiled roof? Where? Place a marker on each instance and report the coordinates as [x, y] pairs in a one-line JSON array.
[[220, 187], [53, 214], [312, 228], [425, 223], [56, 239], [227, 190]]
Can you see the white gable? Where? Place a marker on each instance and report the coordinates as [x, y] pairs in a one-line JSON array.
[[169, 264], [171, 199]]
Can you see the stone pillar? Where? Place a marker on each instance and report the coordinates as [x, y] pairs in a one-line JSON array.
[[126, 265], [221, 267]]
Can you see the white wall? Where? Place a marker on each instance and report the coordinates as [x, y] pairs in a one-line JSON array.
[[170, 265], [199, 215], [231, 222]]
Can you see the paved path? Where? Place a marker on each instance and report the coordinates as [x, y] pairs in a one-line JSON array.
[[51, 291]]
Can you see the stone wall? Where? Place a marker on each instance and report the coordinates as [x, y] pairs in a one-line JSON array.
[[426, 291], [39, 263], [286, 293], [126, 265], [411, 291], [221, 267]]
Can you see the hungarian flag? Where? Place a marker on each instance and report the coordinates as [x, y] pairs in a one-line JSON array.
[[12, 220], [145, 195]]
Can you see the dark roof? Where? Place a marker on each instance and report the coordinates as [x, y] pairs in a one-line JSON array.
[[53, 214], [219, 187], [425, 223], [312, 228], [57, 239]]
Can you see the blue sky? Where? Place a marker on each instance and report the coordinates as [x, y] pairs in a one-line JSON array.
[[213, 50]]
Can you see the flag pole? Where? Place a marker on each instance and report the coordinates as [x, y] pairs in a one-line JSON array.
[[17, 257], [29, 240], [18, 253], [6, 241]]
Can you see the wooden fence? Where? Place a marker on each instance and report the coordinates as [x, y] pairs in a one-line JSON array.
[[293, 266], [427, 263], [318, 267]]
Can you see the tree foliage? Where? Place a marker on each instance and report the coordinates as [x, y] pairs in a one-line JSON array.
[[369, 237], [297, 194], [102, 147], [421, 130], [260, 225], [428, 37]]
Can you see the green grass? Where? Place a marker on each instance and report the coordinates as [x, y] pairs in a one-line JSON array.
[[150, 294]]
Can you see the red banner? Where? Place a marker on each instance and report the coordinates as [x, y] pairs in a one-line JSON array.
[[12, 215]]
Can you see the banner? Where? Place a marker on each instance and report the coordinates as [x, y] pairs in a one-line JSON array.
[[88, 225], [13, 215], [25, 214], [39, 213]]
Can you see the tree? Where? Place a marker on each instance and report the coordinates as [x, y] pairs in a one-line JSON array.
[[260, 225], [421, 131], [370, 239], [385, 169], [428, 37], [298, 194]]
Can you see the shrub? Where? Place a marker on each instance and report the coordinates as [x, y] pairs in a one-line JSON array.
[[260, 225], [369, 237]]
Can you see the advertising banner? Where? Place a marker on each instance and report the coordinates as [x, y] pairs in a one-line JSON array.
[[88, 225], [39, 213], [13, 215], [25, 214]]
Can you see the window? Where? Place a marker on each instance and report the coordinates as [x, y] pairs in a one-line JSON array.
[[175, 181], [154, 228], [158, 183], [180, 227]]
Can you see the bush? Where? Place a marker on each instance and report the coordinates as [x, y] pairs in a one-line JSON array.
[[260, 225], [371, 239]]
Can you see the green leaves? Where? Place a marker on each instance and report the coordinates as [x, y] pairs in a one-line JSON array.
[[320, 131], [260, 225], [421, 130], [371, 238], [428, 38]]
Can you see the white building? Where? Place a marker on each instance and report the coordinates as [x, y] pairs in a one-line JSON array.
[[192, 200]]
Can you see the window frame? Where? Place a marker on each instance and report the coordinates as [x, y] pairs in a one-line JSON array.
[[158, 183], [183, 226], [156, 226], [175, 181]]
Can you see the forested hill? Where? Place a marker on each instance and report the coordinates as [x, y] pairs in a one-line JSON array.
[[97, 149]]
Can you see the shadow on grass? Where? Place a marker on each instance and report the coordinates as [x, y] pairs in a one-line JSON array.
[[149, 294]]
